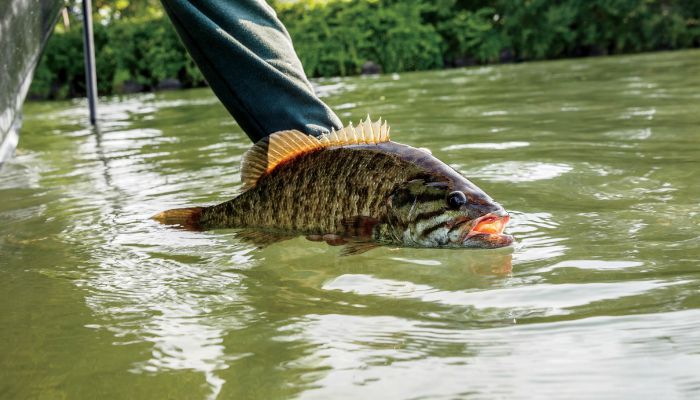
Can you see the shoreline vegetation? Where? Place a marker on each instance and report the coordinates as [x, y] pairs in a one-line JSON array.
[[137, 49]]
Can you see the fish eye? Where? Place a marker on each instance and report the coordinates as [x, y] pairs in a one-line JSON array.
[[456, 200]]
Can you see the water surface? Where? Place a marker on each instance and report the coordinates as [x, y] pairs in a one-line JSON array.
[[596, 159]]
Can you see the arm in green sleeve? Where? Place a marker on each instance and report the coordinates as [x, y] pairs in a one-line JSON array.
[[246, 55]]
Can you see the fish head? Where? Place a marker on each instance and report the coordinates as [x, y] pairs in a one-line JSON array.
[[435, 212]]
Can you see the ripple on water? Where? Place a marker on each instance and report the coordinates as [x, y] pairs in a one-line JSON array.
[[486, 146], [181, 304], [604, 211], [597, 265], [519, 171], [533, 299], [371, 356], [535, 235], [630, 134]]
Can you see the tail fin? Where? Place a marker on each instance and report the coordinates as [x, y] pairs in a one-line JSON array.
[[187, 218]]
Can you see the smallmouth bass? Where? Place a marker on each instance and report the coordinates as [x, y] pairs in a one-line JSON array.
[[353, 186]]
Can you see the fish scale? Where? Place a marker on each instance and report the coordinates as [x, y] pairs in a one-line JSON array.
[[346, 179]]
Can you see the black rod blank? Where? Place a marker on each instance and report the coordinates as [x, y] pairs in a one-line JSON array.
[[89, 55]]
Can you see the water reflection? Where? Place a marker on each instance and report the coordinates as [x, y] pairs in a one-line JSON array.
[[175, 304], [634, 134], [388, 357], [155, 286], [519, 171], [486, 146], [142, 286], [602, 278]]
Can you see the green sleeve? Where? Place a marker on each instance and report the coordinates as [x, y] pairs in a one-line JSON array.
[[247, 57]]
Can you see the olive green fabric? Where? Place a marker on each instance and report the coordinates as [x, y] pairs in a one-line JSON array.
[[246, 55]]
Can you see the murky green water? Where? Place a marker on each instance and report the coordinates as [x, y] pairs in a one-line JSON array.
[[598, 161]]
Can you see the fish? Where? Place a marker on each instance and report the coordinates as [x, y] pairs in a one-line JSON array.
[[354, 187]]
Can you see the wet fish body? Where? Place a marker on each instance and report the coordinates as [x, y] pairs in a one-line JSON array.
[[354, 185]]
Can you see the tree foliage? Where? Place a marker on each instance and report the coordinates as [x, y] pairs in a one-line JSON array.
[[136, 44]]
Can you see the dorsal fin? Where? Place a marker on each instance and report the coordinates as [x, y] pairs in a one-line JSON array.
[[283, 146]]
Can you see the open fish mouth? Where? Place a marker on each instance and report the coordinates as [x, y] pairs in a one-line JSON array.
[[486, 232]]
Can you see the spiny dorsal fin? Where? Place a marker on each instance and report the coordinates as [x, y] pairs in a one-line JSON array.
[[282, 146]]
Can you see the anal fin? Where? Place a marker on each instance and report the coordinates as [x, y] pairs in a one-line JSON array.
[[355, 248], [262, 238]]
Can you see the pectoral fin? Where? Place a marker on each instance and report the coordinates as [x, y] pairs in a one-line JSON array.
[[359, 226]]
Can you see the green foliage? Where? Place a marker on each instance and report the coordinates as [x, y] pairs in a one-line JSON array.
[[543, 29], [137, 45], [140, 54], [405, 42], [471, 33], [336, 38], [59, 75]]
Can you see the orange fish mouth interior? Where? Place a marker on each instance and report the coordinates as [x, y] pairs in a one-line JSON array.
[[490, 225]]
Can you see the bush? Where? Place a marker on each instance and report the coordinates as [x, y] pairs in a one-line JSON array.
[[337, 37], [140, 54]]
